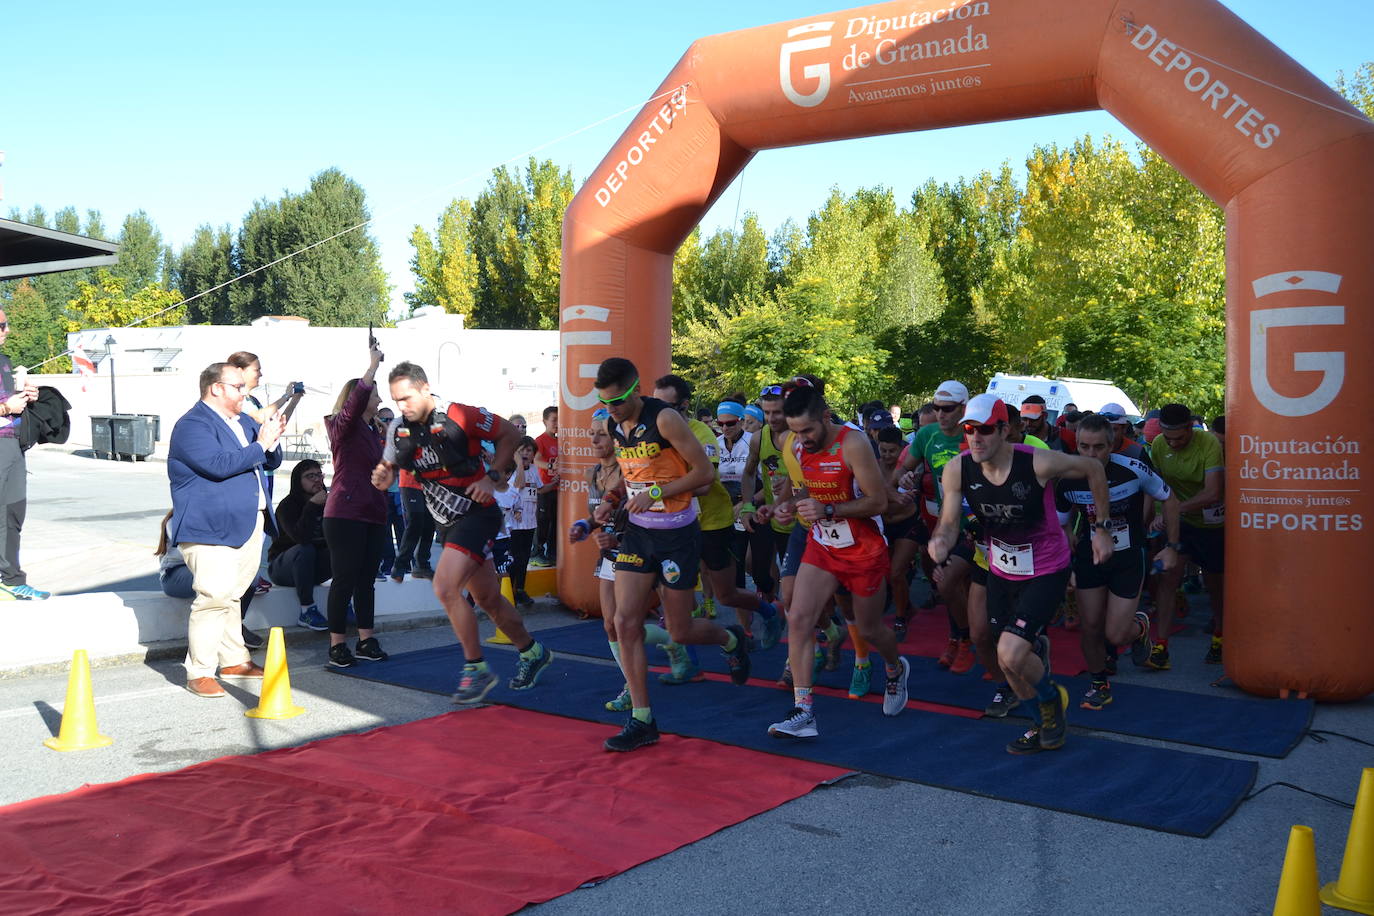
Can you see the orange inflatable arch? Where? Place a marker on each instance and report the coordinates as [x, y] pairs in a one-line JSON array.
[[1291, 162]]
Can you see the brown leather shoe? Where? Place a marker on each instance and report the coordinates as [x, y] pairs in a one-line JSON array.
[[246, 671], [206, 687]]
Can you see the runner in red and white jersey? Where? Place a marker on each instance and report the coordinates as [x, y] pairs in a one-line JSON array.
[[844, 493]]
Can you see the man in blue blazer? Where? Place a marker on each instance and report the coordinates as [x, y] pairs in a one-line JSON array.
[[216, 464]]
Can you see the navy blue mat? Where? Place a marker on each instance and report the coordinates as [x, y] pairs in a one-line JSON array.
[[1226, 722], [1156, 788]]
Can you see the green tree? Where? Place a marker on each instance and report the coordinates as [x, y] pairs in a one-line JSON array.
[[339, 282], [203, 265], [1359, 89], [444, 265], [141, 253], [793, 329], [37, 329], [727, 269], [107, 304]]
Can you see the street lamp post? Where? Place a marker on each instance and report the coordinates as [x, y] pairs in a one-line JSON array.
[[109, 348]]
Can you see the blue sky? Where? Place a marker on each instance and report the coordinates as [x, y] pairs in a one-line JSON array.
[[192, 111]]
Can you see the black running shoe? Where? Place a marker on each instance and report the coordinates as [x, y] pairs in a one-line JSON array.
[[528, 670], [369, 650], [738, 660], [1053, 725], [251, 640], [1140, 647], [634, 735], [1003, 702], [1098, 697], [340, 657], [1029, 743]]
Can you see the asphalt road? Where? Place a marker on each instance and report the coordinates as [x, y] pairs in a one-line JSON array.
[[864, 844]]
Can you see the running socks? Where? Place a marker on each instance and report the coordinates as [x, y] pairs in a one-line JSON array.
[[1045, 691], [860, 645], [730, 641], [655, 635], [801, 696], [533, 651], [477, 664], [643, 714], [615, 652]]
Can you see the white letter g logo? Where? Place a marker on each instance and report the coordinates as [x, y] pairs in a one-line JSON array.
[[1330, 364], [819, 72]]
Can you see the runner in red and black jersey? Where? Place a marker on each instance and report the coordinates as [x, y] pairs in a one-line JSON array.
[[441, 444], [844, 491]]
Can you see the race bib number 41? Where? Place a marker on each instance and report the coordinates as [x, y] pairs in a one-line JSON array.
[[1012, 559]]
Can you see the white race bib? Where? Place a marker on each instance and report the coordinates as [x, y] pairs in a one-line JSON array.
[[932, 508], [640, 486], [1215, 514], [1012, 559], [834, 534], [739, 524], [605, 570], [1120, 531]]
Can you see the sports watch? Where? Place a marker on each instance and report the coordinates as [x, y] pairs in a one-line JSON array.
[[494, 474], [655, 492]]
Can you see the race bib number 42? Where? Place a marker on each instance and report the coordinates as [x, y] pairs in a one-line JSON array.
[[1012, 559]]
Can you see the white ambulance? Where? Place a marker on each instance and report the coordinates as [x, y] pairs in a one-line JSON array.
[[1085, 393]]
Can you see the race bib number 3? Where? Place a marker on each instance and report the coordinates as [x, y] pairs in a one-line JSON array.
[[834, 534], [1121, 534], [1012, 559]]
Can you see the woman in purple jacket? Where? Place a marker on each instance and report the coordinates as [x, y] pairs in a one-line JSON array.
[[354, 516]]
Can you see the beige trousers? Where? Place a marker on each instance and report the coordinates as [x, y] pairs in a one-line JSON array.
[[220, 575]]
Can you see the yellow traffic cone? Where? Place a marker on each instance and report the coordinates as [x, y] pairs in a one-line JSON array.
[[1354, 889], [275, 702], [79, 731], [1298, 884], [498, 638]]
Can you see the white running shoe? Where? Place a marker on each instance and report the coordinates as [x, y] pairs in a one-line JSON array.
[[894, 696], [800, 723]]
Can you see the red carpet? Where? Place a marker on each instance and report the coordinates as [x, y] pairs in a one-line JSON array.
[[472, 812]]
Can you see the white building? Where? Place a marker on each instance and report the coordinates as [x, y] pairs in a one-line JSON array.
[[157, 370]]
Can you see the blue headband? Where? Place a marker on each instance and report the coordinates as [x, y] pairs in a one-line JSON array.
[[729, 409], [755, 411]]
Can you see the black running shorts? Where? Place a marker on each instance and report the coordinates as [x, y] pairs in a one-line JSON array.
[[1122, 575], [670, 554], [1204, 546], [1025, 606], [718, 548], [473, 533]]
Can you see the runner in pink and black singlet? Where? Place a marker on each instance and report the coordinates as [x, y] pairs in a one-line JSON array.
[[1009, 489]]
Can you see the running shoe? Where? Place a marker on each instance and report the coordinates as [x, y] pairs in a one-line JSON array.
[[340, 657], [542, 562], [1213, 656], [1029, 743], [522, 599], [1140, 649], [251, 640], [634, 735], [785, 681], [771, 631], [738, 658], [951, 649], [683, 671], [312, 619], [622, 703], [1098, 697], [369, 650], [899, 628], [1003, 702], [1053, 724], [422, 572], [474, 685], [260, 587], [528, 669], [398, 576], [28, 592], [1159, 658], [963, 658], [894, 694], [861, 681], [800, 723]]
